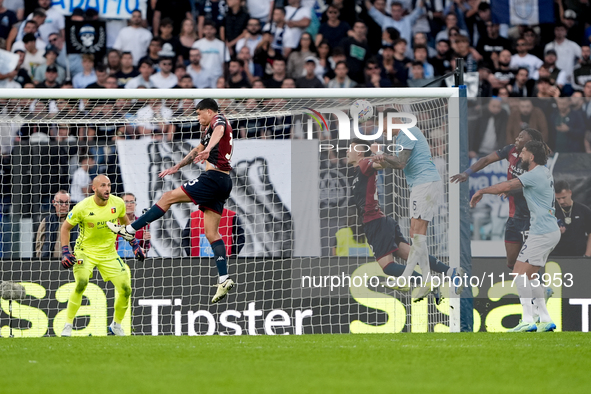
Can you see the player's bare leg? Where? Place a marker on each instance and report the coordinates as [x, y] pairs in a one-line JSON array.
[[158, 210], [211, 224], [512, 250]]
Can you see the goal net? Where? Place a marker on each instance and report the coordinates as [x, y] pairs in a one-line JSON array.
[[298, 253]]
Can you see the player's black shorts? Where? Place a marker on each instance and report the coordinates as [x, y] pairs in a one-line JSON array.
[[210, 190], [383, 235], [516, 230]]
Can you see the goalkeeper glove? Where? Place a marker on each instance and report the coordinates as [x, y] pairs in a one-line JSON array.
[[137, 249], [68, 259]]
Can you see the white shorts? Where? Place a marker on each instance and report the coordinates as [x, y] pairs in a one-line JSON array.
[[424, 200], [537, 248]]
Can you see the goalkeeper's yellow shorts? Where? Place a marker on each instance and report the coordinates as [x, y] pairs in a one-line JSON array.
[[109, 267]]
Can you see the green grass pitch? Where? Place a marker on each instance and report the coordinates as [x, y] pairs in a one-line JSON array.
[[395, 363]]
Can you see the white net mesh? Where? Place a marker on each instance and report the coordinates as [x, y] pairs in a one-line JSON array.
[[288, 224]]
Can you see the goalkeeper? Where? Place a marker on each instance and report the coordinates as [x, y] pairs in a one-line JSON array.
[[95, 247]]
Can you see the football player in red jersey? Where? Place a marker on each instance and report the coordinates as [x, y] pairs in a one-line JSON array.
[[210, 190], [518, 223]]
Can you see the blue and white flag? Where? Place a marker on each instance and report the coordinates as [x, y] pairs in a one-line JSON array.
[[523, 12]]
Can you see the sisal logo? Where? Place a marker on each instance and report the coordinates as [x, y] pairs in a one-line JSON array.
[[344, 125]]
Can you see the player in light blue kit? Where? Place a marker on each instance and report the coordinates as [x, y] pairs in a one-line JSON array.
[[426, 191], [538, 189]]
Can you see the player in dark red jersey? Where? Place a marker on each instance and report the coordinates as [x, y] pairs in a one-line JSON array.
[[210, 190], [383, 232], [518, 224]]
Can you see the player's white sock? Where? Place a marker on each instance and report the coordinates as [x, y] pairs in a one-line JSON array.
[[540, 303], [130, 229], [222, 278], [411, 262], [421, 241], [525, 295]]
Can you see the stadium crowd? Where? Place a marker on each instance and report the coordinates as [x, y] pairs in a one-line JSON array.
[[536, 76]]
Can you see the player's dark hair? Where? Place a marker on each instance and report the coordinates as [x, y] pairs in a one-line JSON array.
[[539, 150], [208, 104], [535, 135], [359, 141], [561, 185]]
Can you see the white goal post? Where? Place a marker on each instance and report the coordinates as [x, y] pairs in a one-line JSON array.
[[290, 197]]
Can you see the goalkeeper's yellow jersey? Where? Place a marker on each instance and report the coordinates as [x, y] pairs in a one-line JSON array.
[[95, 237]]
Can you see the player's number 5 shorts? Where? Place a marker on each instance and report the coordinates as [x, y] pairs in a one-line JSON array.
[[424, 200]]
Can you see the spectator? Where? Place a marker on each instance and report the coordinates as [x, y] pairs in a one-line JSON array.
[[174, 10], [279, 74], [387, 63], [213, 51], [186, 39], [574, 220], [586, 108], [277, 27], [50, 79], [153, 51], [297, 58], [237, 78], [71, 63], [101, 77], [570, 128], [210, 10], [165, 79], [195, 243], [451, 22], [492, 44], [113, 61], [31, 25], [333, 30], [80, 188], [441, 62], [185, 82], [502, 74], [484, 87], [127, 71], [252, 36], [420, 55], [134, 38], [357, 52], [576, 30], [309, 80], [582, 72], [487, 135], [251, 69], [404, 24], [88, 75], [461, 47], [142, 235], [33, 57], [51, 54], [567, 51], [111, 82], [373, 75], [418, 39], [531, 43], [297, 20], [8, 19], [264, 55], [54, 20], [341, 79], [47, 240], [528, 116], [235, 24], [288, 83], [417, 75], [143, 79], [522, 86], [401, 63], [202, 79], [524, 59]]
